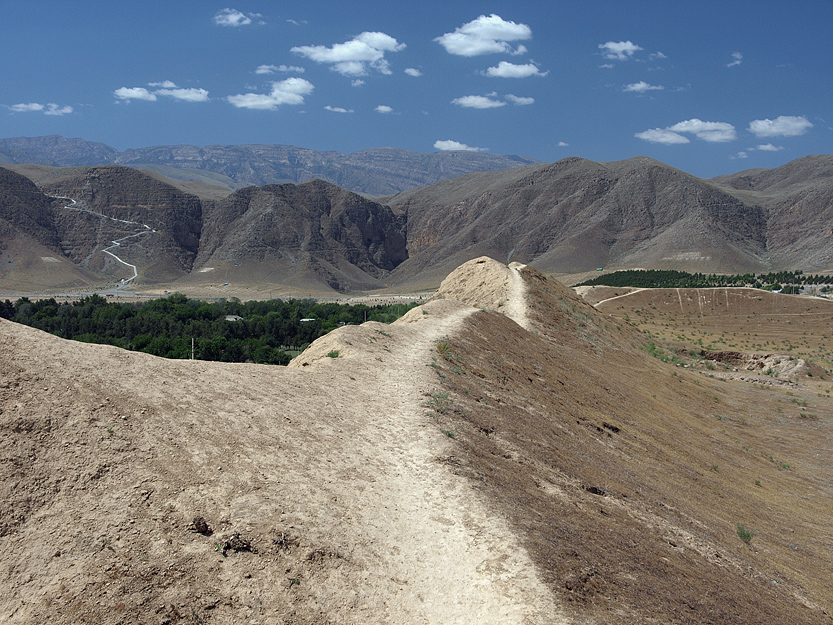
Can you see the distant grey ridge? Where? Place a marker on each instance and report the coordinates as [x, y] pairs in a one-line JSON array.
[[378, 171]]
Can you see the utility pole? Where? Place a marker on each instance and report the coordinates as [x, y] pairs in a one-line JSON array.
[[192, 348]]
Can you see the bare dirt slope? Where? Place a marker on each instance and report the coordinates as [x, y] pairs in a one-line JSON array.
[[453, 467], [626, 477], [324, 485]]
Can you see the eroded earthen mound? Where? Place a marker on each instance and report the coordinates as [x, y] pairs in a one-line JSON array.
[[503, 454]]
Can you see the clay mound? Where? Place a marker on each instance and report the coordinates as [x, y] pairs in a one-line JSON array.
[[452, 467], [558, 314], [481, 282], [487, 284], [136, 489], [373, 340]]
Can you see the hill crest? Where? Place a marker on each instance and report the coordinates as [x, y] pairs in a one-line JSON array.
[[462, 467]]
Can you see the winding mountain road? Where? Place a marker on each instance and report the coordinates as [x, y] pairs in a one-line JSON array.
[[117, 243]]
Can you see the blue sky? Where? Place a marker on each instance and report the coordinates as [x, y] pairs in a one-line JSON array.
[[708, 87]]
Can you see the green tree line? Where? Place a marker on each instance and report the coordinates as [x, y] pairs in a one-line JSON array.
[[165, 327], [655, 278]]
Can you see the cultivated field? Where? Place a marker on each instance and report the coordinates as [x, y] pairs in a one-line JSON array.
[[738, 319]]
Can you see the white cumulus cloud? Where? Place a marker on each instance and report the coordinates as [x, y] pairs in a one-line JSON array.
[[46, 109], [412, 71], [337, 109], [450, 146], [168, 89], [357, 83], [187, 95], [485, 35], [738, 59], [290, 91], [54, 109], [233, 17], [561, 144], [134, 93], [504, 69], [26, 108], [619, 50], [662, 135], [273, 69], [768, 147], [519, 101], [354, 57], [642, 87], [383, 108], [782, 126], [477, 102], [714, 132]]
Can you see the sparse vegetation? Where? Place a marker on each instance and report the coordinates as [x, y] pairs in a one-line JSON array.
[[745, 534], [443, 348], [439, 402], [333, 353]]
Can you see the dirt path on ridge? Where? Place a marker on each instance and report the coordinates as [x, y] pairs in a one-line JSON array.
[[516, 304], [462, 564], [121, 450]]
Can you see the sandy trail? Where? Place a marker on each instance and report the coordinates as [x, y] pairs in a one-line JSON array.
[[341, 453], [439, 551], [486, 283], [516, 304]]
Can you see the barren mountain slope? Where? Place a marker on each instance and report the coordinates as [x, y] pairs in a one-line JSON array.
[[340, 239], [55, 150], [567, 218], [575, 215], [798, 198], [25, 209], [374, 172], [206, 186], [128, 199], [792, 175], [31, 257]]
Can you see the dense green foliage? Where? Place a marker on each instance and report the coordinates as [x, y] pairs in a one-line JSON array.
[[165, 327], [655, 279]]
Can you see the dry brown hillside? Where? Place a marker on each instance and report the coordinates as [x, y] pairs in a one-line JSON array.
[[502, 454]]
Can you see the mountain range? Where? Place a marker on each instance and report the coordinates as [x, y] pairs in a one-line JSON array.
[[377, 171], [566, 218]]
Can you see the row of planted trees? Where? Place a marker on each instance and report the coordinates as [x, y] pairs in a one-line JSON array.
[[229, 330], [789, 281]]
